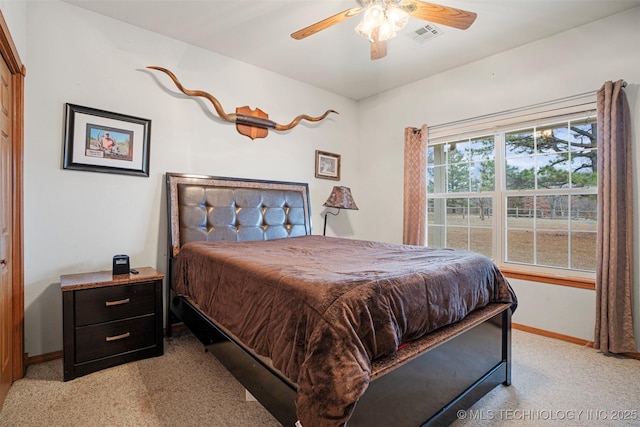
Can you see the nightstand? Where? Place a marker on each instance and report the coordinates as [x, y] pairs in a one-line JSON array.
[[110, 320]]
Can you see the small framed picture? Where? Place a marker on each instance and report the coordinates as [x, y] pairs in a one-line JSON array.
[[102, 141], [327, 165]]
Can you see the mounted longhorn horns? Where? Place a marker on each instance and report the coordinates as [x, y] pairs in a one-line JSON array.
[[251, 123]]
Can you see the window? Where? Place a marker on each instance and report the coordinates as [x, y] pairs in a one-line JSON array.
[[524, 194], [460, 194]]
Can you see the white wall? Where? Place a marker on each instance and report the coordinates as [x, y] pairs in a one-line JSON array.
[[14, 15], [571, 63], [76, 221]]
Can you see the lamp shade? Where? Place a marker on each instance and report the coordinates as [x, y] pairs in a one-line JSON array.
[[341, 198]]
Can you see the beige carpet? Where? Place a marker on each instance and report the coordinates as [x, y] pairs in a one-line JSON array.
[[554, 383], [184, 387]]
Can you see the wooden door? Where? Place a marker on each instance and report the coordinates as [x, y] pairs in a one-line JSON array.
[[6, 232], [12, 73]]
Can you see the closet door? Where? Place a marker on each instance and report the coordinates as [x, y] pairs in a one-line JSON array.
[[6, 231]]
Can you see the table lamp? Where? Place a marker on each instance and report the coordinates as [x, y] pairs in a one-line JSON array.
[[339, 198]]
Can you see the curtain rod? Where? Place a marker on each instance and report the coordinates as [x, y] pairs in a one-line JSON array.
[[515, 110]]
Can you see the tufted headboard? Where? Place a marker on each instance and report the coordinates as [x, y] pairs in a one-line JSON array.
[[216, 208]]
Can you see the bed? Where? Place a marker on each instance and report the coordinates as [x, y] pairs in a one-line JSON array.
[[326, 331]]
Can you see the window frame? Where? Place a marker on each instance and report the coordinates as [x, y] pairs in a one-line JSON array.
[[497, 125]]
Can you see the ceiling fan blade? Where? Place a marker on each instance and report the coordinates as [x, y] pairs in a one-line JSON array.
[[326, 23], [378, 49], [449, 16]]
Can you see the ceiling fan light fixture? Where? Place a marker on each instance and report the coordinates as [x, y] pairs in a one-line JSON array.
[[373, 17], [397, 17], [365, 29], [383, 19], [386, 31]]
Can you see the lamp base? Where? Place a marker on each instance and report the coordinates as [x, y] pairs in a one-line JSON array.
[[324, 230]]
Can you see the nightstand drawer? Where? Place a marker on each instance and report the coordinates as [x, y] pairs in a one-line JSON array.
[[106, 339], [113, 303]]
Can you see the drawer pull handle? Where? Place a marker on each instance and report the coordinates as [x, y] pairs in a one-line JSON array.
[[119, 302], [118, 337]]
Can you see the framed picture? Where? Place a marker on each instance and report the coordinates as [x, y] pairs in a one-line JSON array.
[[327, 165], [101, 141]]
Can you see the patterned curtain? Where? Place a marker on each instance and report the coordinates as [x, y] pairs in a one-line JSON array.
[[415, 186], [614, 269]]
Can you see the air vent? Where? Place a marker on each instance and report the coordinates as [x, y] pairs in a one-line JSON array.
[[425, 33]]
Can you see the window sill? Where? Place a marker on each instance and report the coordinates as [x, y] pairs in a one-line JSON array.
[[573, 282]]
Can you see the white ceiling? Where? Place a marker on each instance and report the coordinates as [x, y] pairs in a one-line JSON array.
[[258, 32]]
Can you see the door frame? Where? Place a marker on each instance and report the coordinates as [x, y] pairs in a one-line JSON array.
[[18, 72]]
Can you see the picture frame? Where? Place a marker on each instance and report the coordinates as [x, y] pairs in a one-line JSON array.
[[327, 165], [102, 141]]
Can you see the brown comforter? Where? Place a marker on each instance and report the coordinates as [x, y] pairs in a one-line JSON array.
[[323, 308]]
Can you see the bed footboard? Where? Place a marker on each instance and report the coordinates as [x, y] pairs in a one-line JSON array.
[[455, 367], [453, 375]]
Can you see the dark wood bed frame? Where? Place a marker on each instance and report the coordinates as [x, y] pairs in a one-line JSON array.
[[425, 384]]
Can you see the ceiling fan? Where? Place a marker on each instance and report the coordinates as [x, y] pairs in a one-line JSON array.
[[383, 18]]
